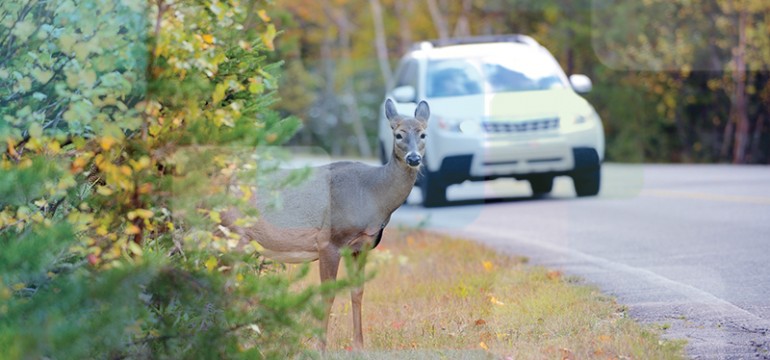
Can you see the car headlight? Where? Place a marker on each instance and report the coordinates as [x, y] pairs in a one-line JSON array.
[[465, 126], [585, 118]]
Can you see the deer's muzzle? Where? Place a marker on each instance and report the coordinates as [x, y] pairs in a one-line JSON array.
[[413, 159]]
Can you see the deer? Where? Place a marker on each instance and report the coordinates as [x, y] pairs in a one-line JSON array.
[[342, 205]]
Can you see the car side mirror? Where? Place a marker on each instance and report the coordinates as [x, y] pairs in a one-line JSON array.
[[580, 83], [404, 94]]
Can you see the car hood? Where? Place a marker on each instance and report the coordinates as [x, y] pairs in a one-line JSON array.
[[511, 106]]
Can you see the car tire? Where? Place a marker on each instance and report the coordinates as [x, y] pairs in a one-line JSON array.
[[541, 184], [587, 181], [433, 189]]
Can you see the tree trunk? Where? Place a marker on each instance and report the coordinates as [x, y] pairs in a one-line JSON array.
[[462, 27], [740, 104], [328, 99], [403, 10], [340, 18], [439, 21], [380, 43]]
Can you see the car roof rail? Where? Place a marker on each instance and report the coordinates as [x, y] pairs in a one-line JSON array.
[[515, 38]]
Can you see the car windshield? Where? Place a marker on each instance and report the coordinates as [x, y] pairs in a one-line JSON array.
[[492, 74]]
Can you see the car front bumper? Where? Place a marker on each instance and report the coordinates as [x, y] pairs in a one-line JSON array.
[[463, 157]]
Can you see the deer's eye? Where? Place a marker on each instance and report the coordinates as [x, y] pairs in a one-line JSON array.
[[399, 136], [422, 136]]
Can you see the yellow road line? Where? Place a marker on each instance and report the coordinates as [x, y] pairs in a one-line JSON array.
[[759, 200]]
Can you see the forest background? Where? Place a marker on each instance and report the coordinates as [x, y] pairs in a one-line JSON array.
[[674, 81]]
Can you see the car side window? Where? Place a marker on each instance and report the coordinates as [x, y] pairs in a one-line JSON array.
[[408, 75]]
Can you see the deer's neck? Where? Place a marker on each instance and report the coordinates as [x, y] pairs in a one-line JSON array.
[[396, 180]]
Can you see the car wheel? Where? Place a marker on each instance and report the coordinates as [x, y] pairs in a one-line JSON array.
[[541, 184], [433, 189], [587, 181]]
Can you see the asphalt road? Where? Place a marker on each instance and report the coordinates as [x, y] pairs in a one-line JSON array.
[[686, 247]]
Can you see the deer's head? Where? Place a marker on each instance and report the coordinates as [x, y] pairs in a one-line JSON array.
[[408, 133]]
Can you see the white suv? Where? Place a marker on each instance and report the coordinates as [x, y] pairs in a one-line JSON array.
[[500, 107]]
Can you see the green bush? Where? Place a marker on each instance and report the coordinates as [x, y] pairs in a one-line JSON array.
[[123, 130]]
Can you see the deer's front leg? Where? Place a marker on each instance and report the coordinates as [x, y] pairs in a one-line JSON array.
[[356, 297], [328, 264]]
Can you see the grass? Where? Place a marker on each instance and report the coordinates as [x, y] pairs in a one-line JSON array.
[[438, 297]]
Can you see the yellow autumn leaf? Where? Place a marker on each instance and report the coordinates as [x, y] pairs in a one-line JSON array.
[[494, 300], [214, 215], [484, 346], [263, 15], [103, 190], [211, 263], [141, 164], [53, 147], [144, 213], [19, 286], [107, 142], [38, 217], [219, 93], [135, 248], [208, 38], [488, 265], [132, 229], [268, 37], [246, 190]]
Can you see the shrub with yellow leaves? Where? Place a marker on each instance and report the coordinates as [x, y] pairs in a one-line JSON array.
[[124, 126]]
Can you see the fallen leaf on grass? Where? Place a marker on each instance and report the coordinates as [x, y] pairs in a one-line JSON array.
[[480, 322], [553, 275], [494, 300], [488, 266]]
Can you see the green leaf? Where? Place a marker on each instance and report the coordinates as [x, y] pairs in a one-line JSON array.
[[24, 29], [35, 130], [88, 78], [66, 42], [42, 76]]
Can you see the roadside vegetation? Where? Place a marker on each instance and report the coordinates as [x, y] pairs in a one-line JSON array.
[[123, 125], [433, 296]]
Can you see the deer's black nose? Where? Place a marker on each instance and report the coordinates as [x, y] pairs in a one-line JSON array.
[[413, 159]]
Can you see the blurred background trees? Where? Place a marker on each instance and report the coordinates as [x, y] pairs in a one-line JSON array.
[[675, 81]]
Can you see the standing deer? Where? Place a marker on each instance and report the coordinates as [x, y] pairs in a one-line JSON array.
[[342, 205]]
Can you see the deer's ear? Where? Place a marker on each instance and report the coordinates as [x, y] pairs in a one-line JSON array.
[[391, 113], [390, 110], [422, 112]]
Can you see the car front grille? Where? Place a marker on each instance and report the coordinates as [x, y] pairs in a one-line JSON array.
[[521, 126]]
